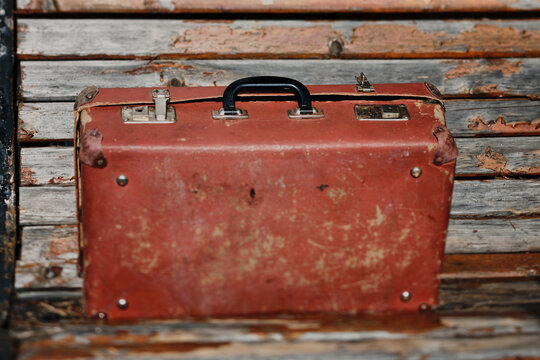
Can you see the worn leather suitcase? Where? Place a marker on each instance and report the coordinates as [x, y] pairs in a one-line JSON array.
[[263, 197]]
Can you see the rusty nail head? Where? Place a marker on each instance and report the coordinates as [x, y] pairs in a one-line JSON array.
[[416, 172], [122, 304], [405, 296], [122, 180], [424, 307]]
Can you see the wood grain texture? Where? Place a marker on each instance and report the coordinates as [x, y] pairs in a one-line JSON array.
[[471, 236], [130, 39], [483, 156], [55, 205], [63, 80], [346, 338], [465, 236], [279, 6], [465, 118]]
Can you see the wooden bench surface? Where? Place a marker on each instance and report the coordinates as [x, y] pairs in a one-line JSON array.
[[488, 69]]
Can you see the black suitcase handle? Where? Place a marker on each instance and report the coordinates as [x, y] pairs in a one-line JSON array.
[[267, 84]]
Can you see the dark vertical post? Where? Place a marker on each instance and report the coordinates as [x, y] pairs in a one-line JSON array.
[[8, 213]]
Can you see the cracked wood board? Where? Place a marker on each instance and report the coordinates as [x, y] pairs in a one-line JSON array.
[[63, 80], [464, 118], [274, 6], [130, 39]]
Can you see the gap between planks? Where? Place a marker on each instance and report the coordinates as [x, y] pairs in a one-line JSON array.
[[63, 80], [464, 118], [243, 39]]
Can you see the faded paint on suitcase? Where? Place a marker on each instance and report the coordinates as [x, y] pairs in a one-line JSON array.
[[265, 214]]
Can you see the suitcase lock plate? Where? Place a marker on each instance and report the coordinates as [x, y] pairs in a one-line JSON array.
[[382, 112], [160, 113]]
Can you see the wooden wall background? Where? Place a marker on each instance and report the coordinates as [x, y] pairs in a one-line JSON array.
[[482, 55]]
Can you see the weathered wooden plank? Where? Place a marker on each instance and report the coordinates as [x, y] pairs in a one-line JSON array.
[[8, 210], [490, 266], [465, 118], [47, 205], [47, 274], [47, 165], [55, 205], [492, 236], [129, 39], [370, 337], [464, 237], [483, 156], [279, 6], [63, 80], [49, 243], [45, 121], [488, 198], [460, 272], [502, 156]]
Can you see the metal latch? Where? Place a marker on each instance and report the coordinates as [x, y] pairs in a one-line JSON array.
[[160, 113], [381, 112], [363, 84]]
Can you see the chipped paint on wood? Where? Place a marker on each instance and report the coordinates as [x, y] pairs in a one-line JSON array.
[[54, 121], [128, 39], [500, 126], [492, 160], [279, 6], [465, 68], [61, 80]]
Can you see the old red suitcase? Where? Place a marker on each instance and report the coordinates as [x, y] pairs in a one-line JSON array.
[[264, 197]]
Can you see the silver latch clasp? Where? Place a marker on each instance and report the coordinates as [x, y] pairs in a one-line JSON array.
[[161, 112], [363, 84]]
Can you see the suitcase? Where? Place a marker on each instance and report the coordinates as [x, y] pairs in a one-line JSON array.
[[263, 197]]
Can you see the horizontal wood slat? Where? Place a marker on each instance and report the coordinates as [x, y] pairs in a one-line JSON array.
[[377, 337], [278, 6], [63, 80], [55, 205], [483, 156], [465, 118], [465, 236], [130, 39]]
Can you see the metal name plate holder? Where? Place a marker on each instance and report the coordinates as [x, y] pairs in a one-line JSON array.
[[160, 113]]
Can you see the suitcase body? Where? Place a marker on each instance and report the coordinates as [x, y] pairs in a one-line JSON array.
[[188, 211]]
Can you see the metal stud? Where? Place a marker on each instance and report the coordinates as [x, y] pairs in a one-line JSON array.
[[424, 307], [102, 315], [416, 172], [122, 304], [405, 296], [100, 163], [122, 180]]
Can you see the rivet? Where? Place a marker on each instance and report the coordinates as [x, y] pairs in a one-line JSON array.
[[405, 296], [424, 307], [416, 172], [100, 162], [102, 315], [122, 180], [122, 304]]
